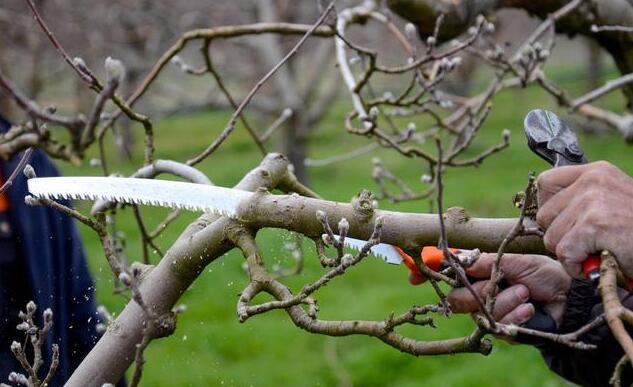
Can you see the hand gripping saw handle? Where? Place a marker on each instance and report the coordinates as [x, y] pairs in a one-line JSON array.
[[433, 258]]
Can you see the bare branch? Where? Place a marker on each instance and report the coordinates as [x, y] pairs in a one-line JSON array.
[[24, 160], [233, 120], [599, 92]]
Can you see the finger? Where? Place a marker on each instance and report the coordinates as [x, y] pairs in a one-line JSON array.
[[482, 266], [555, 205], [574, 248], [509, 299], [462, 300], [553, 180], [513, 266], [560, 227], [519, 315]]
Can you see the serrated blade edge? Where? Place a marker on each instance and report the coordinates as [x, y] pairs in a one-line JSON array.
[[163, 193], [384, 251]]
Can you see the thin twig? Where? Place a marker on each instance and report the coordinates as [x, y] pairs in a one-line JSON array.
[[599, 92], [26, 157], [443, 242], [218, 79]]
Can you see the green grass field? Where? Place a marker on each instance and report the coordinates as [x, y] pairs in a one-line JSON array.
[[211, 348]]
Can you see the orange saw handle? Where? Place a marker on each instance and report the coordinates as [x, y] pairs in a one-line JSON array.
[[430, 255]]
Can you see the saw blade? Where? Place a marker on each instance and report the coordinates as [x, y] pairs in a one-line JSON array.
[[163, 193], [386, 252], [172, 194]]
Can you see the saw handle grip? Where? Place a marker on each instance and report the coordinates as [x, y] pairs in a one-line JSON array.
[[433, 258], [430, 255]]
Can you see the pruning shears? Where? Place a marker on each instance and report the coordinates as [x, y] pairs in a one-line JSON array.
[[553, 140]]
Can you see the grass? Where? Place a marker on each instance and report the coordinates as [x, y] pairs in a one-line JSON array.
[[211, 348]]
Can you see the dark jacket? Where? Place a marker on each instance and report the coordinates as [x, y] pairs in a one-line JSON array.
[[55, 270], [587, 367]]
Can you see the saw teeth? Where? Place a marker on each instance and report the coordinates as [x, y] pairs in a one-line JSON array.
[[127, 190]]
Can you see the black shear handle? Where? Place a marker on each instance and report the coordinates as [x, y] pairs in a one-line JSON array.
[[541, 321]]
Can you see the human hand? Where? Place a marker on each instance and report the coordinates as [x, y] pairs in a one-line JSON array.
[[586, 209], [534, 277]]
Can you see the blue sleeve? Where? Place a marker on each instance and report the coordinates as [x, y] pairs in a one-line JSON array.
[[57, 271]]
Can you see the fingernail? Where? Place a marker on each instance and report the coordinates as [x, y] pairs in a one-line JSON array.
[[522, 293], [525, 312]]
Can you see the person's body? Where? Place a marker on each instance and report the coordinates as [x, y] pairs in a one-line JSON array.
[[41, 259], [584, 210]]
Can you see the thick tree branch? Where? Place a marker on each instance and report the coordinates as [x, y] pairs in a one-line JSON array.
[[201, 243], [407, 230]]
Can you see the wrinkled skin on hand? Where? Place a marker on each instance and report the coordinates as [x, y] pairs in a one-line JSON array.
[[531, 277], [586, 209]]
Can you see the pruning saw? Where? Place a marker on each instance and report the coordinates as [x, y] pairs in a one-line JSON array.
[[226, 202], [194, 197]]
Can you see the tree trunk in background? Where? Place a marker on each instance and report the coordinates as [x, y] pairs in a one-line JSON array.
[[5, 106], [5, 102], [294, 144], [125, 136], [461, 81], [595, 65], [38, 45], [35, 82], [82, 95]]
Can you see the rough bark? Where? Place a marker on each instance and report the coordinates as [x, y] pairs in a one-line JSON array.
[[459, 15], [407, 230]]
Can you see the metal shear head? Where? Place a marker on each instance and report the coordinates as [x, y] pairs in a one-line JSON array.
[[551, 138]]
